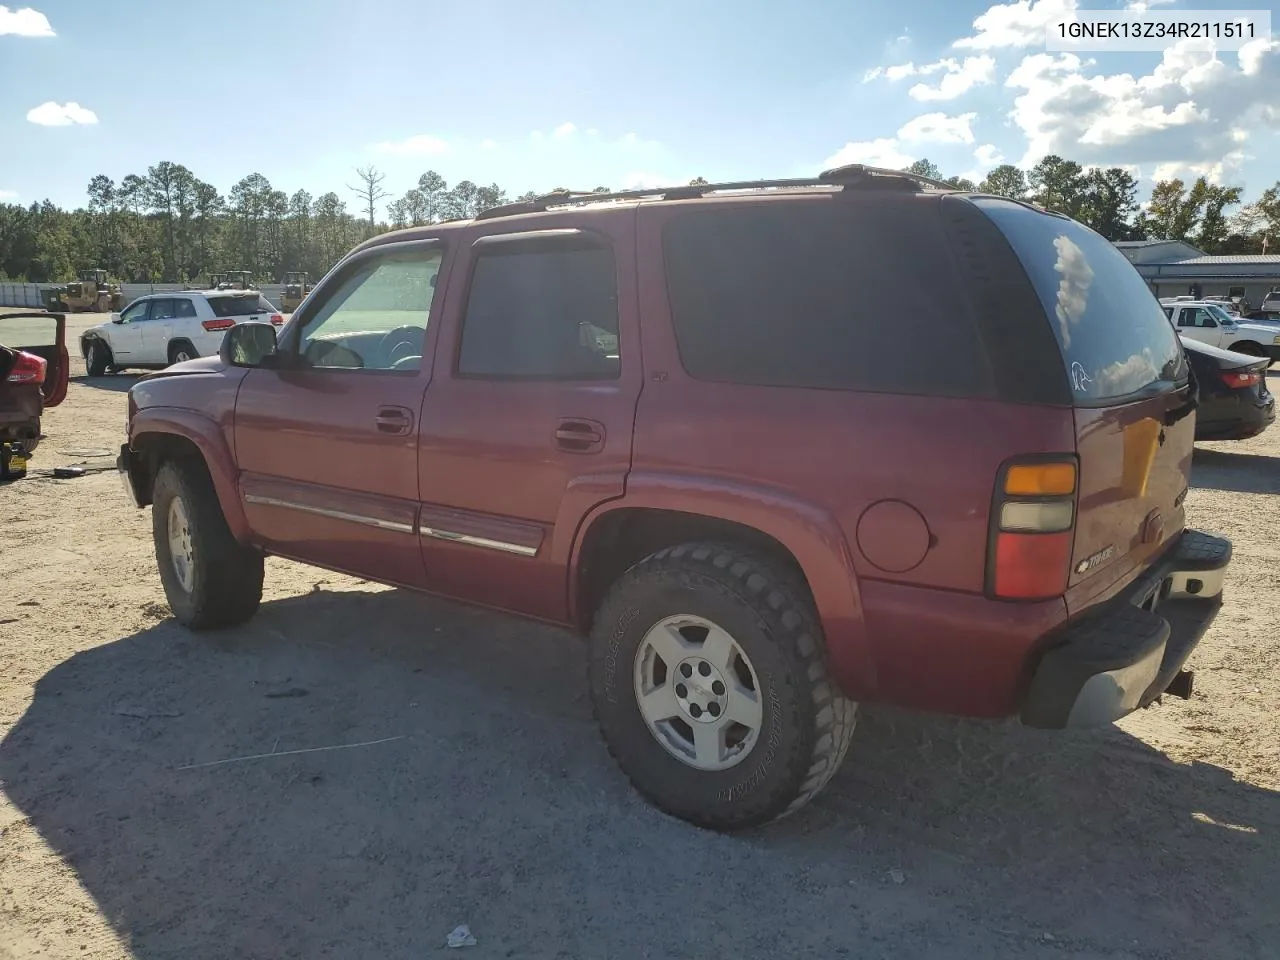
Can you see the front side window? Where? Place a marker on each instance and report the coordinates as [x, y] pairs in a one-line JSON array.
[[376, 319], [135, 312], [542, 310]]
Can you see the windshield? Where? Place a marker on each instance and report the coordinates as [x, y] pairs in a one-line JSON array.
[[1220, 314]]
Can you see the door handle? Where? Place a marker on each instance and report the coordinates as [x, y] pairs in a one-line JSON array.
[[396, 421], [579, 436]]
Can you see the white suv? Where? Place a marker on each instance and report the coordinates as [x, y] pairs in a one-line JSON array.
[[1208, 322], [164, 328]]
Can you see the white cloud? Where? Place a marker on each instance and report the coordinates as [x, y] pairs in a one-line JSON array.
[[988, 156], [884, 152], [488, 144], [1015, 25], [938, 128], [7, 195], [1138, 6], [419, 145], [52, 114], [959, 78], [564, 130], [24, 23], [1189, 111]]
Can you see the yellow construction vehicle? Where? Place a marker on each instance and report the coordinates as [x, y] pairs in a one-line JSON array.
[[297, 284], [91, 293]]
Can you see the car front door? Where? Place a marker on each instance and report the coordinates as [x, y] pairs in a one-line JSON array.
[[527, 423], [327, 438], [156, 332], [125, 334], [1197, 323]]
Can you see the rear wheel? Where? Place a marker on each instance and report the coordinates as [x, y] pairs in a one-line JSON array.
[[180, 351], [99, 358], [209, 579], [710, 684]]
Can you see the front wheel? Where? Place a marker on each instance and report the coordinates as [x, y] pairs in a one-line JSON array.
[[710, 685], [209, 579], [99, 359]]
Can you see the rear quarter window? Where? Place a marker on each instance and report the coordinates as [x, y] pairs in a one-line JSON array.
[[240, 306], [1116, 340], [834, 293]]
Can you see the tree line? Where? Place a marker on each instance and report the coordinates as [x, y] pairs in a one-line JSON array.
[[170, 226]]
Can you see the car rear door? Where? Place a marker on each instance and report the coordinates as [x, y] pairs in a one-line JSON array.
[[44, 335], [327, 440], [527, 424], [1132, 395]]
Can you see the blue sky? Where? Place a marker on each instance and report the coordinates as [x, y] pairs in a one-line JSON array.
[[559, 93]]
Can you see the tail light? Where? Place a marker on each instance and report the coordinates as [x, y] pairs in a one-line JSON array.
[[222, 323], [28, 368], [1235, 379], [277, 320], [1033, 522]]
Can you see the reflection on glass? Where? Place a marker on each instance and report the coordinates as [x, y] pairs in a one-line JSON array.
[[1075, 277]]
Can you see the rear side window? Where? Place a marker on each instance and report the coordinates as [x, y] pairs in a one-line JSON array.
[[242, 305], [1115, 339], [183, 308], [833, 293], [542, 310]]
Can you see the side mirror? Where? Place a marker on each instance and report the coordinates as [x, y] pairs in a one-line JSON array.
[[116, 318], [248, 345]]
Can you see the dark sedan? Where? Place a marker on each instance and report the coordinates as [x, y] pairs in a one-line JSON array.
[[1235, 403]]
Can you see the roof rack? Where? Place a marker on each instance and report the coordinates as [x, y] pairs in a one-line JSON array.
[[853, 176]]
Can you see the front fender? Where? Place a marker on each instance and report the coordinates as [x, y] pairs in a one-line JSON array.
[[811, 534], [208, 438]]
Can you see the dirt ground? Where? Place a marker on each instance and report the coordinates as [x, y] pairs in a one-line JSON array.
[[485, 797]]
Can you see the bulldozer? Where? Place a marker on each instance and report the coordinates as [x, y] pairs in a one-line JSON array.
[[297, 284], [90, 293]]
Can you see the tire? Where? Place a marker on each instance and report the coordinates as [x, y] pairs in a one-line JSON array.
[[805, 723], [99, 358], [222, 585], [180, 351]]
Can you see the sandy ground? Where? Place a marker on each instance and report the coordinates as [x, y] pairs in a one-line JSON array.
[[493, 803]]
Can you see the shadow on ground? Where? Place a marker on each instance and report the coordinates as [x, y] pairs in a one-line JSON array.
[[1235, 472], [115, 382], [498, 807]]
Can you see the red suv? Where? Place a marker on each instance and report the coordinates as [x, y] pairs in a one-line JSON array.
[[774, 447]]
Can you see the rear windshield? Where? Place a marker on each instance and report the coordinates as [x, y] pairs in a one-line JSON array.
[[831, 293], [1116, 340], [243, 305]]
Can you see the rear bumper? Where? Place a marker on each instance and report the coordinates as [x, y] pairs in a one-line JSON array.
[[1109, 663]]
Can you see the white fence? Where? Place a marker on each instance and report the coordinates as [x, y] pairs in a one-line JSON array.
[[31, 294]]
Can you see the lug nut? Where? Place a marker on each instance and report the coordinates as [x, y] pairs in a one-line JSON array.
[[695, 711], [704, 668], [682, 691], [718, 688], [686, 670]]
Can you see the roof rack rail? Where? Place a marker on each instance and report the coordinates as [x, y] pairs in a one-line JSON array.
[[847, 177]]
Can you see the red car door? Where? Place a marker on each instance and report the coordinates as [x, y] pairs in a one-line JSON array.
[[527, 423], [327, 438], [45, 335]]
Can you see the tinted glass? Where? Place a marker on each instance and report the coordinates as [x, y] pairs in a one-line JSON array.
[[135, 312], [184, 308], [834, 293], [1115, 340], [543, 311], [240, 305], [162, 309]]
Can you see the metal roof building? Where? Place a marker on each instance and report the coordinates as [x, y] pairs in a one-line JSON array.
[[1173, 267]]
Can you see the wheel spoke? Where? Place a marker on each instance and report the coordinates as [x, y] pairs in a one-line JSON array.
[[744, 707], [706, 743], [669, 645], [719, 649], [659, 703]]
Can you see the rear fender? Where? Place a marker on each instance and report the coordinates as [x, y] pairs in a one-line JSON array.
[[152, 424], [810, 533]]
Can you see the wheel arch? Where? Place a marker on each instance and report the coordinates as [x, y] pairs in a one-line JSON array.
[[1251, 347], [661, 511], [157, 435]]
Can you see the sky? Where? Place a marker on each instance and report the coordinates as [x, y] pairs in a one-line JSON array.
[[553, 93]]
